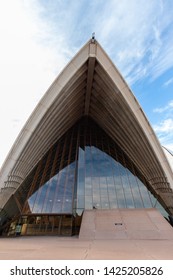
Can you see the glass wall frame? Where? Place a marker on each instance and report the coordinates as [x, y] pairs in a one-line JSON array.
[[84, 169]]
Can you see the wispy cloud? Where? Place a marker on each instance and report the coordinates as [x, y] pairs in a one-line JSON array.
[[165, 126], [164, 131], [142, 48], [132, 33], [168, 82], [137, 35], [38, 38], [168, 107]]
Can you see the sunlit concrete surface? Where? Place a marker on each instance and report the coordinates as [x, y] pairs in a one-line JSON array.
[[131, 224], [52, 248], [105, 234]]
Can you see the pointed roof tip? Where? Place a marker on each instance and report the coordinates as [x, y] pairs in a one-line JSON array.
[[93, 37]]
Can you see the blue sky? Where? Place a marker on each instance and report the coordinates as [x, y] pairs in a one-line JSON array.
[[38, 38]]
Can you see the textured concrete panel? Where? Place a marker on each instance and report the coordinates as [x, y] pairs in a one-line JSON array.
[[124, 224]]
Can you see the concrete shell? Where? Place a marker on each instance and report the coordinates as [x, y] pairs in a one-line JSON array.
[[89, 85]]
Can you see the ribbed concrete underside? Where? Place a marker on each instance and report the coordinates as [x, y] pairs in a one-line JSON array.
[[90, 85]]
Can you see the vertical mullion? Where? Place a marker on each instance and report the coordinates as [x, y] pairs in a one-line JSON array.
[[134, 172], [75, 185], [52, 173], [105, 157], [55, 161], [68, 163], [33, 185], [85, 132], [118, 164], [43, 177], [47, 191], [91, 163], [125, 166], [145, 185], [110, 161], [98, 176], [59, 175]]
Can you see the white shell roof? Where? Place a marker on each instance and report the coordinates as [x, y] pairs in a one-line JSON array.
[[89, 85]]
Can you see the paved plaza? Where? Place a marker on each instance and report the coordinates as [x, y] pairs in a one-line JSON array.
[[105, 235], [63, 248]]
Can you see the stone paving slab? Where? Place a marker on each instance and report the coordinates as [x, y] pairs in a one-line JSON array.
[[57, 248]]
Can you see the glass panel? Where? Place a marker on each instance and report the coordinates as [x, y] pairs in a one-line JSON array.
[[88, 202], [118, 184], [135, 190], [81, 180], [48, 204], [85, 169], [144, 194]]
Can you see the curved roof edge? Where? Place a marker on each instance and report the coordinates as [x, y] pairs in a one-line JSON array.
[[39, 111], [169, 156], [137, 110]]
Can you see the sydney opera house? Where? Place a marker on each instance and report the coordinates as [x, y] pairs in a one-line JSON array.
[[87, 148]]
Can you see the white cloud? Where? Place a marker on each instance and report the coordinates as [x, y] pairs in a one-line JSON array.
[[39, 37], [168, 107], [134, 33], [165, 126], [30, 61], [164, 131], [168, 82]]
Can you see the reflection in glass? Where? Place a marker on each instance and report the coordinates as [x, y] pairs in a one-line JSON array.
[[86, 169]]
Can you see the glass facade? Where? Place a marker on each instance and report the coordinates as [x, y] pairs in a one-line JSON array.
[[85, 169]]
